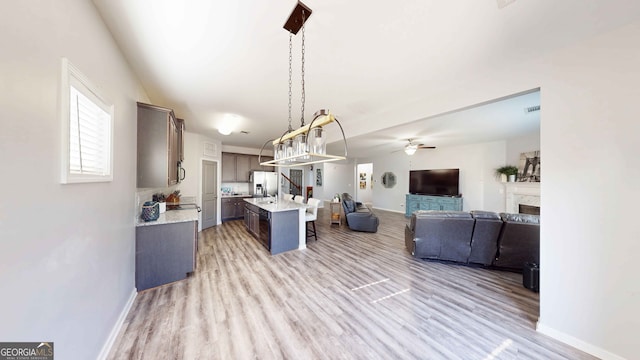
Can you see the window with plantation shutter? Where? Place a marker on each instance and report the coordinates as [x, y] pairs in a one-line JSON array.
[[88, 129]]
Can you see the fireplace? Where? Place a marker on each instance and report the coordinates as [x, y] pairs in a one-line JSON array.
[[528, 209], [524, 193]]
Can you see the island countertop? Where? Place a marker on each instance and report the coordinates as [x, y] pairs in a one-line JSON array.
[[273, 205], [171, 216]]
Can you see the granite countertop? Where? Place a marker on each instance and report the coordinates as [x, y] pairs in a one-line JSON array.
[[171, 216], [271, 205]]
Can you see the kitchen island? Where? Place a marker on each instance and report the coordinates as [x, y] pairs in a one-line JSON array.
[[166, 248], [277, 224]]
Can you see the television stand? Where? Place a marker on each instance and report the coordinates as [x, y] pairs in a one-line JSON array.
[[430, 202]]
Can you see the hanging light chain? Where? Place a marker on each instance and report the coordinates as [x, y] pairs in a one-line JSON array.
[[303, 93], [290, 83]]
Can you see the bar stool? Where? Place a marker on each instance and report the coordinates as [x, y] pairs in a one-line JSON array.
[[311, 215]]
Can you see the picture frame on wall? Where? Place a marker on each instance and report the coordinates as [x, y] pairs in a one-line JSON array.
[[529, 166], [318, 177]]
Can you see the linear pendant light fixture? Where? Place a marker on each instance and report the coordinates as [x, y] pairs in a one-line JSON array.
[[307, 144]]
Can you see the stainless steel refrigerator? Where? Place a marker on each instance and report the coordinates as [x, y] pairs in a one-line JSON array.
[[263, 183]]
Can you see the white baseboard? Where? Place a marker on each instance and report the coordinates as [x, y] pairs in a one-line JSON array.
[[577, 343], [389, 210], [116, 328]]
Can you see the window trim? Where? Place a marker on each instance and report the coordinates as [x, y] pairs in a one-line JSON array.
[[70, 75]]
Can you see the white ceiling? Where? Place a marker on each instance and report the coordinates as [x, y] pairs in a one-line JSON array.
[[208, 59]]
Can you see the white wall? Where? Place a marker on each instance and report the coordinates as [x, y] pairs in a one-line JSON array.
[[66, 251], [518, 145], [589, 240], [337, 179], [477, 162]]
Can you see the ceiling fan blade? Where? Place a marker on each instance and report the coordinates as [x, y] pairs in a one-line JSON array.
[[421, 146]]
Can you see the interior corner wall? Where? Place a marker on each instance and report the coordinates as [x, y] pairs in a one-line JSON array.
[[67, 252]]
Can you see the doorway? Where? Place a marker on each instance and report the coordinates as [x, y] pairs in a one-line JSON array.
[[364, 183], [209, 194], [296, 178]]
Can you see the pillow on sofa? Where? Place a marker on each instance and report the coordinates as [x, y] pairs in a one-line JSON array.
[[522, 218], [350, 205]]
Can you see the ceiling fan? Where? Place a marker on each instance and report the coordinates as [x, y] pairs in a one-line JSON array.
[[411, 148]]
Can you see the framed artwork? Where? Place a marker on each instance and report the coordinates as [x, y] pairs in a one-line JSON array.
[[529, 167], [318, 177], [363, 176], [363, 184]]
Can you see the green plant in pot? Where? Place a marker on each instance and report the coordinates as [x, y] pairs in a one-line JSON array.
[[509, 171]]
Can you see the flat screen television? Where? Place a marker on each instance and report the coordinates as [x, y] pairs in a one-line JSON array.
[[439, 182]]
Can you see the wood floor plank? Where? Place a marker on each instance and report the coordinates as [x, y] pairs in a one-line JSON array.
[[349, 295]]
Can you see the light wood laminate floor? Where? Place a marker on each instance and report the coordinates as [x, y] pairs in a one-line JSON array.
[[349, 295]]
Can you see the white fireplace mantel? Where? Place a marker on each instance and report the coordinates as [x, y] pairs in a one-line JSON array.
[[525, 193]]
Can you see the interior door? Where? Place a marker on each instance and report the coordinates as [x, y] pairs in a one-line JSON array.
[[209, 194], [296, 177]]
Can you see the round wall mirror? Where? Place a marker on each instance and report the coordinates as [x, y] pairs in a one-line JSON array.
[[388, 180]]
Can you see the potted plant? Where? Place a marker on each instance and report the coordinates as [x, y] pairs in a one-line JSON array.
[[509, 171]]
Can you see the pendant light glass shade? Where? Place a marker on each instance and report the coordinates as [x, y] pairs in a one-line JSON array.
[[288, 149], [317, 141], [278, 151], [300, 146]]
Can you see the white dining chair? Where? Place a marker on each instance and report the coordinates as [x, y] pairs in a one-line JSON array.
[[299, 199], [288, 197]]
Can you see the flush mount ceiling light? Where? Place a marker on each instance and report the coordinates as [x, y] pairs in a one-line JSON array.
[[227, 124], [306, 145]]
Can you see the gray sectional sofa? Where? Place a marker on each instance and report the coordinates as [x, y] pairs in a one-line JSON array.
[[505, 241]]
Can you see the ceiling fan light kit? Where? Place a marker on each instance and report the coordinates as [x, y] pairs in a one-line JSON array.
[[307, 144], [411, 148]]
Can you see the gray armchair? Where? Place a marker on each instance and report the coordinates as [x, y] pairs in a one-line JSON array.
[[519, 241], [484, 243], [441, 235], [357, 216]]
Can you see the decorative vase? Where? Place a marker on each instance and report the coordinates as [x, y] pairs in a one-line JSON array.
[[512, 178]]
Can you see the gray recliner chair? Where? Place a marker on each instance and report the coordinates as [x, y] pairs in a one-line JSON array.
[[440, 235], [519, 241], [484, 243], [357, 216]]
